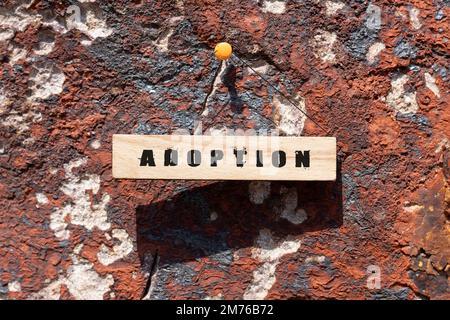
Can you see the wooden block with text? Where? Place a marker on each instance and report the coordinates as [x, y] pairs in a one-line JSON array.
[[202, 157]]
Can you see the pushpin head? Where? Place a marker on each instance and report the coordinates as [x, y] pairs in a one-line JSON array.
[[223, 51]]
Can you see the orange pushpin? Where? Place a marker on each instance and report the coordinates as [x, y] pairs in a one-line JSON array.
[[223, 51]]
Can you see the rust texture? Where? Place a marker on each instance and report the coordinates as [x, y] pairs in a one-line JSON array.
[[373, 74]]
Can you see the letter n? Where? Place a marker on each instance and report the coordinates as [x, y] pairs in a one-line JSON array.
[[302, 159]]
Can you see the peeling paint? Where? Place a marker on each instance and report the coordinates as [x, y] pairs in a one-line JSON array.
[[21, 121], [213, 216], [162, 43], [93, 26], [259, 66], [17, 20], [323, 44], [332, 7], [14, 286], [4, 101], [414, 18], [16, 54], [289, 202], [81, 211], [412, 208], [258, 191], [82, 281], [95, 144], [6, 35], [107, 256], [290, 119], [400, 100], [41, 198], [296, 217], [269, 252], [430, 82], [315, 259], [274, 6], [46, 80], [374, 51], [46, 43]]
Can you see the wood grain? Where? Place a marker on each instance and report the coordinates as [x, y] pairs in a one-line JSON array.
[[128, 150]]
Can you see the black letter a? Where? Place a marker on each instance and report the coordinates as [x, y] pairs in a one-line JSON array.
[[147, 158]]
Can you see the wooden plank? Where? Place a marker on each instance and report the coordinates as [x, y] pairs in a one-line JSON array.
[[224, 157]]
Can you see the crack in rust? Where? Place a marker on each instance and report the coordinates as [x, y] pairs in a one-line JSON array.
[[211, 87], [153, 269]]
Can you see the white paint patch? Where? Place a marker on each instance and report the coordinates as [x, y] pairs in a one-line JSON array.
[[401, 101], [275, 7], [94, 27], [414, 18], [18, 20], [213, 216], [50, 292], [289, 200], [46, 80], [41, 198], [4, 101], [444, 144], [179, 4], [162, 43], [21, 121], [412, 208], [289, 209], [374, 51], [81, 210], [259, 66], [258, 191], [59, 224], [296, 217], [269, 252], [323, 44], [315, 259], [332, 7], [82, 281], [290, 119], [16, 54], [6, 34], [107, 256], [95, 144], [28, 141], [430, 83], [14, 286], [44, 48], [263, 280]]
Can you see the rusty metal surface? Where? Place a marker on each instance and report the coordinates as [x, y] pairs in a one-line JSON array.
[[375, 75]]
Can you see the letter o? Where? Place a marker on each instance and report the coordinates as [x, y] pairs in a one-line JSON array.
[[278, 159]]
